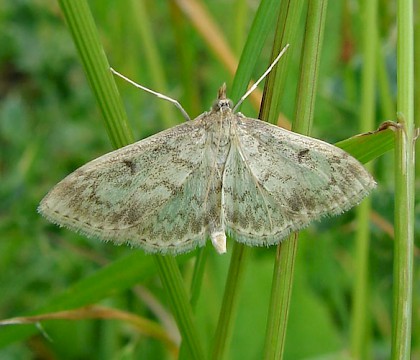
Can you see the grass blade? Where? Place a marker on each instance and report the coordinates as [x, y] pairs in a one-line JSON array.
[[287, 29], [115, 277], [360, 320], [286, 252], [96, 66], [239, 256], [366, 147], [182, 311], [83, 29], [404, 181]]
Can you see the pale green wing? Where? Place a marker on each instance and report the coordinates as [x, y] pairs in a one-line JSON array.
[[150, 194], [276, 182]]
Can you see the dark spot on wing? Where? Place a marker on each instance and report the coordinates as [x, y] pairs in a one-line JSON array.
[[302, 154], [131, 165]]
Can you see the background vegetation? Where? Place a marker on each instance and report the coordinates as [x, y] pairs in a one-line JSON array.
[[50, 124]]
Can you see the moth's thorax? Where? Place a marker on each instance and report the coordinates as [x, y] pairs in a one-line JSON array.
[[219, 121], [219, 126]]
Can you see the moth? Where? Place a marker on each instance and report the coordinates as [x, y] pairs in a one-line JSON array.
[[221, 173]]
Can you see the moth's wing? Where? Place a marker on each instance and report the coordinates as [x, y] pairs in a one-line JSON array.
[[277, 182], [149, 194]]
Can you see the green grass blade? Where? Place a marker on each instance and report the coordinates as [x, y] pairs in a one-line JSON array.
[[417, 88], [264, 20], [360, 337], [83, 29], [118, 276], [223, 333], [96, 66], [309, 68], [182, 311], [115, 277], [286, 32], [197, 279], [404, 181], [282, 282], [239, 256], [366, 147]]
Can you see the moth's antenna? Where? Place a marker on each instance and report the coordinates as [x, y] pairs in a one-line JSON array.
[[253, 87], [159, 95]]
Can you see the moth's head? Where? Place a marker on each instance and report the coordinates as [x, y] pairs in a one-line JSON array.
[[222, 103]]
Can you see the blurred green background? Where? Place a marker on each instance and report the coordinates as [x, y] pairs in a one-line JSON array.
[[50, 125]]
